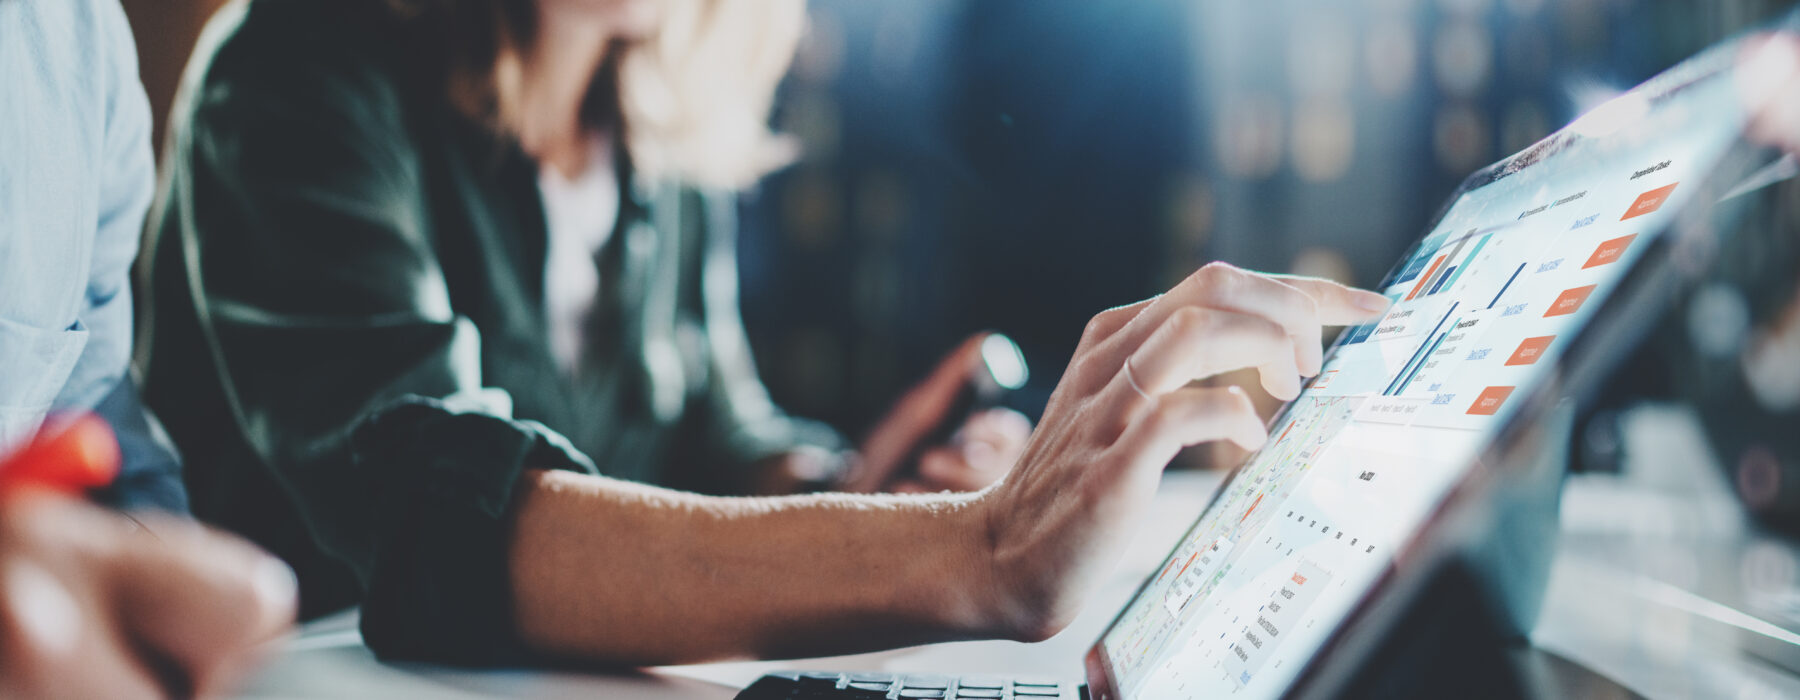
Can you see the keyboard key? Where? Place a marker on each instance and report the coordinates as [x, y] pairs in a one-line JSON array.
[[1035, 682], [1035, 691], [929, 682], [982, 683], [922, 693], [868, 686], [871, 677], [967, 692], [819, 680]]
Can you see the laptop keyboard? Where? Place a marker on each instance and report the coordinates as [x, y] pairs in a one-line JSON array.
[[832, 685]]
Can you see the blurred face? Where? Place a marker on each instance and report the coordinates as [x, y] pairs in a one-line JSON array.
[[626, 19]]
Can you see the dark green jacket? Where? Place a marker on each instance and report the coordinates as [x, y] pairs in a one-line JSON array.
[[348, 337]]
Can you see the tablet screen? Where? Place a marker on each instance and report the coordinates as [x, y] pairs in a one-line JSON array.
[[1482, 306]]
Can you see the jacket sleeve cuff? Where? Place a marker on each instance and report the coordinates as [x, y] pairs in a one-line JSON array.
[[439, 589]]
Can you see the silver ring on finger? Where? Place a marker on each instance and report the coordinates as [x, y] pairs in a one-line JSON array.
[[1131, 379]]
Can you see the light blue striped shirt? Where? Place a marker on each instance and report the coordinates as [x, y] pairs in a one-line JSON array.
[[76, 176]]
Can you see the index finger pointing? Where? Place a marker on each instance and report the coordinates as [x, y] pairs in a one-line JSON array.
[[1339, 305]]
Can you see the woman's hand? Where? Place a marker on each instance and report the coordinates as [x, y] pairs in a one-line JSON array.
[[1123, 410], [843, 573]]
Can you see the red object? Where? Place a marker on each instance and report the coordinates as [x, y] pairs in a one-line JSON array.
[[69, 456]]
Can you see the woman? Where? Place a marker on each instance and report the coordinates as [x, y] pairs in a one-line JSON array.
[[363, 326]]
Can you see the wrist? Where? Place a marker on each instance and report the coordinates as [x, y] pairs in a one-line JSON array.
[[1022, 585], [994, 607], [946, 590]]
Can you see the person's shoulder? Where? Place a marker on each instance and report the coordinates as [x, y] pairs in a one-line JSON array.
[[65, 42], [324, 54]]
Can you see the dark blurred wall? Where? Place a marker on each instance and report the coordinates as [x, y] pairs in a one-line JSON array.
[[1021, 164], [165, 31], [979, 165]]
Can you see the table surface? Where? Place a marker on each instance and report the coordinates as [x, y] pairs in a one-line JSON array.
[[1654, 586]]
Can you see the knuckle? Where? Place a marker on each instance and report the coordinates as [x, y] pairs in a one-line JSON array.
[[1309, 305], [1217, 268], [1188, 320], [1103, 324], [1216, 276], [1095, 328]]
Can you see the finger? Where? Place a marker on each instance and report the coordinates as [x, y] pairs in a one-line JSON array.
[[1339, 305], [50, 647], [1196, 343], [203, 599], [1336, 305], [1189, 417], [1223, 286], [58, 638], [1281, 379]]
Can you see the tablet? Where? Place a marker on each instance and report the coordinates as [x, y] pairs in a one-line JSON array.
[[1523, 260]]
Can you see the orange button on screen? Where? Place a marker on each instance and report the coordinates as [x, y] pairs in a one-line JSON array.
[[1489, 401], [1530, 350], [1649, 201], [1569, 301], [1609, 251]]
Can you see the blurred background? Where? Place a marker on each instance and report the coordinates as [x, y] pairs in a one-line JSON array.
[[1018, 165]]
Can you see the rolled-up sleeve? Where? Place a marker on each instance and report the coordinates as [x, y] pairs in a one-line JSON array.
[[319, 293], [440, 564]]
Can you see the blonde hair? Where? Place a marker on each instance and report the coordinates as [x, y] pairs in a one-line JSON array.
[[693, 99]]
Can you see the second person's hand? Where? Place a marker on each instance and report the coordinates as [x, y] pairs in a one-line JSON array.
[[94, 606], [894, 458]]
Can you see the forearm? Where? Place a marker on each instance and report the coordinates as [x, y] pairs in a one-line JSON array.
[[637, 575]]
